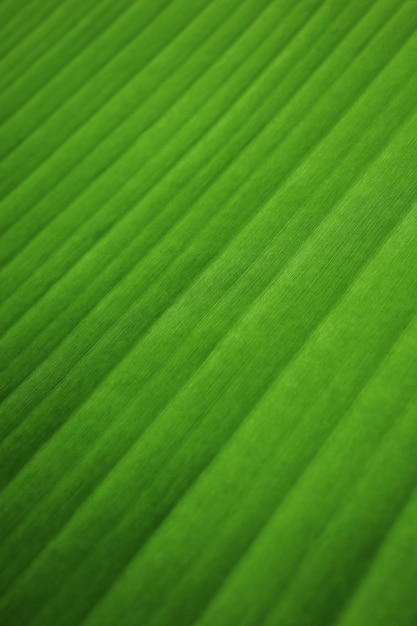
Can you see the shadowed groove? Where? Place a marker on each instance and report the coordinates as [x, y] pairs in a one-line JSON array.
[[94, 465], [118, 47], [39, 46], [40, 213], [133, 248], [248, 279], [136, 520], [303, 471], [97, 94], [15, 32], [108, 339], [120, 187], [386, 441], [375, 540], [392, 578], [208, 346], [92, 141], [226, 306], [215, 407]]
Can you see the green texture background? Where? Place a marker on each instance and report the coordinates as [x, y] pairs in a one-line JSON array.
[[208, 331]]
